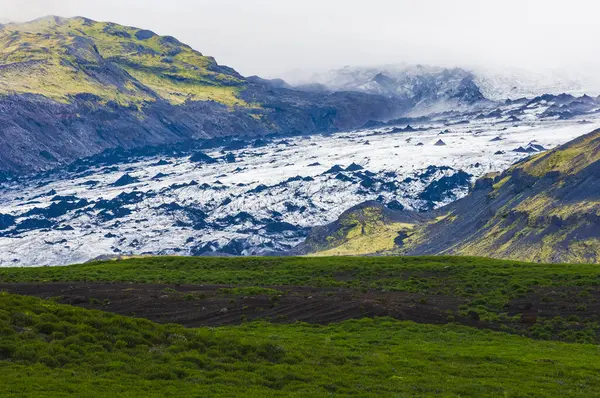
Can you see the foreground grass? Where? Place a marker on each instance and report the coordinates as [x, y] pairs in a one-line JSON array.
[[55, 350]]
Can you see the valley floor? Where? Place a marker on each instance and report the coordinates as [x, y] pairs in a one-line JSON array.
[[411, 326]]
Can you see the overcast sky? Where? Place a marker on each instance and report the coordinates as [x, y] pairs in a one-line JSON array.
[[271, 37]]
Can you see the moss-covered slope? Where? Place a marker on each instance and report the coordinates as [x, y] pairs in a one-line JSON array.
[[60, 57], [369, 228], [545, 209]]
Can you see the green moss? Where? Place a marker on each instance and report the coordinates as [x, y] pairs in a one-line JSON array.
[[567, 159], [61, 58], [501, 183], [363, 231]]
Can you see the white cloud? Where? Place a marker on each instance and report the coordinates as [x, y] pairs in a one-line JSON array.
[[269, 37]]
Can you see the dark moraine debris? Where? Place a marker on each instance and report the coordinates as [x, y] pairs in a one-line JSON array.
[[6, 221], [343, 177], [161, 162], [229, 158], [408, 129], [354, 167], [202, 158], [57, 209], [90, 183], [65, 228], [159, 176], [536, 147], [260, 143], [34, 223], [280, 227], [443, 188], [259, 188], [335, 169], [126, 179]]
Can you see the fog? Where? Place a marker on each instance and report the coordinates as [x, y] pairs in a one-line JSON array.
[[273, 37]]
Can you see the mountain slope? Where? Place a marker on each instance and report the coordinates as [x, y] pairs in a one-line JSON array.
[[70, 88], [546, 208], [60, 57], [368, 228]]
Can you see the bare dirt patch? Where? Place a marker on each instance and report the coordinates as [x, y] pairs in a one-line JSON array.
[[215, 305]]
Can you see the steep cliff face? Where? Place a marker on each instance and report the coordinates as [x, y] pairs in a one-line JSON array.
[[73, 87], [546, 208]]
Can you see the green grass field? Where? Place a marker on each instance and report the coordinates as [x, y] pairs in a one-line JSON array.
[[463, 275], [487, 285], [53, 350]]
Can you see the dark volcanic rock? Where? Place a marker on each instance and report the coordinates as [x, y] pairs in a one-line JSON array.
[[335, 169], [443, 188], [57, 133], [202, 158], [354, 167], [6, 221], [126, 179], [395, 205]]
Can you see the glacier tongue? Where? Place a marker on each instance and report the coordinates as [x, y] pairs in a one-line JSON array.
[[263, 197]]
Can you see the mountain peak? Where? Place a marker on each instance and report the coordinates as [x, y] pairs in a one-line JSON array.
[[47, 23], [117, 63]]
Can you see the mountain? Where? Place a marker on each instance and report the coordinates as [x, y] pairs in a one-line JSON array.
[[545, 208], [428, 89], [73, 87], [429, 85], [258, 196]]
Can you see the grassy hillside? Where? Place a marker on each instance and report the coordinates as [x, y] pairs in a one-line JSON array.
[[544, 209], [369, 228], [366, 230], [60, 58], [54, 350], [563, 300]]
